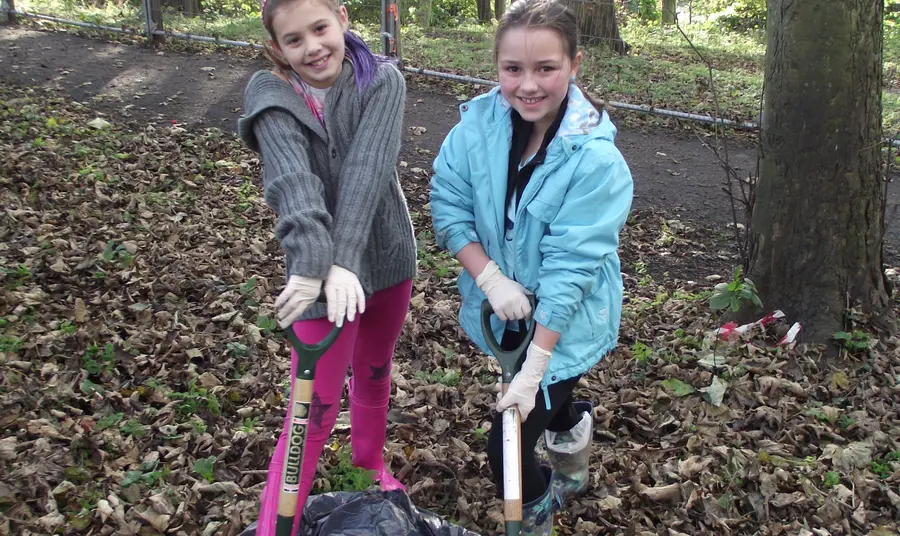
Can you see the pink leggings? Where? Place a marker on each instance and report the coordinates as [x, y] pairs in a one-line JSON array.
[[367, 345]]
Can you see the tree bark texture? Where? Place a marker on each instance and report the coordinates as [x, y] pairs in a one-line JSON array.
[[668, 11], [192, 8], [484, 10], [817, 223], [597, 23], [423, 13]]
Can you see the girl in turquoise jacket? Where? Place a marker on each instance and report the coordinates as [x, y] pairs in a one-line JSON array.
[[530, 193]]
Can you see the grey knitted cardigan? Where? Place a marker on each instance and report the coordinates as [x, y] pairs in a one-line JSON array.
[[335, 191]]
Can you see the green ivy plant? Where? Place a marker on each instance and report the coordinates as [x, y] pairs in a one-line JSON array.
[[733, 293]]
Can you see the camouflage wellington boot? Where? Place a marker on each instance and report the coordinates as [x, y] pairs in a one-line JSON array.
[[538, 515], [570, 453]]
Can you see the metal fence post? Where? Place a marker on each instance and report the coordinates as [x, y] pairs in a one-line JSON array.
[[7, 11], [390, 28], [148, 20], [398, 44], [153, 20], [385, 42]]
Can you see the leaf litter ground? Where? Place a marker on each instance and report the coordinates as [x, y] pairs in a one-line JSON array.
[[144, 383]]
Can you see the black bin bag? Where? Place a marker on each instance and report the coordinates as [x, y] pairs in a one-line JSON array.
[[369, 513]]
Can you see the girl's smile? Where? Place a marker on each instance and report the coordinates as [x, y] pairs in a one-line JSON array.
[[535, 71], [310, 37], [532, 102], [316, 64]]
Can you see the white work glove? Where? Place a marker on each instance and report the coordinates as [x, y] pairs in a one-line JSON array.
[[524, 387], [345, 295], [507, 297], [295, 299]]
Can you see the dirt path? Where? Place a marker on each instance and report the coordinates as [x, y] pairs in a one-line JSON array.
[[673, 171]]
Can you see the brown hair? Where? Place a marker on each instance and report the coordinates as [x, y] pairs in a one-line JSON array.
[[543, 14], [364, 62], [268, 8]]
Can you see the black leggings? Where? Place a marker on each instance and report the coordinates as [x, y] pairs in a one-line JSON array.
[[559, 417]]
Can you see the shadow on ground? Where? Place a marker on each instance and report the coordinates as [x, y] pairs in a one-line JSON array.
[[675, 172]]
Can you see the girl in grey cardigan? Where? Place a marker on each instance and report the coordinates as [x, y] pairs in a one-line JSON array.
[[327, 125]]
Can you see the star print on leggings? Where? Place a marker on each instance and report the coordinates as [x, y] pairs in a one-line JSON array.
[[317, 410], [382, 372]]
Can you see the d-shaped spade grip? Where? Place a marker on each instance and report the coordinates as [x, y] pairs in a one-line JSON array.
[[307, 357], [510, 363], [511, 360], [308, 354]]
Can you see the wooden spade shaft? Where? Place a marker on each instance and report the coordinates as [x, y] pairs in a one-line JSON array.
[[296, 439], [301, 396], [512, 469]]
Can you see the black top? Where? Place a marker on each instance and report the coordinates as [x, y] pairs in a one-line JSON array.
[[517, 178]]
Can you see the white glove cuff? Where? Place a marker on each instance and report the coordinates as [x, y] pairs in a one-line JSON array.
[[491, 269], [303, 280], [536, 363]]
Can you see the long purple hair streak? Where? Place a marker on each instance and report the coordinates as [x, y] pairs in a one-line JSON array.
[[364, 62]]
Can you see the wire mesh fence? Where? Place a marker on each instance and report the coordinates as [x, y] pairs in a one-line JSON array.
[[238, 21], [227, 22], [440, 38], [119, 17], [445, 39]]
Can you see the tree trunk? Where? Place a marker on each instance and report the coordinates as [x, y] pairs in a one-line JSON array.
[[668, 12], [597, 23], [818, 215], [484, 10], [423, 13], [191, 8], [499, 8]]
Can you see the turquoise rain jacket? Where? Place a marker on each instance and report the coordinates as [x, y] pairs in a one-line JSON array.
[[567, 224]]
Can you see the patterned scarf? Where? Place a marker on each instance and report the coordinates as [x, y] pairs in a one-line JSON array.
[[302, 89]]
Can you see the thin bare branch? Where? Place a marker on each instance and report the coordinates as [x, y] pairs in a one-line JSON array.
[[724, 139]]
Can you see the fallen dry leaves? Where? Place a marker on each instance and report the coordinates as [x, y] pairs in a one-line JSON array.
[[144, 383]]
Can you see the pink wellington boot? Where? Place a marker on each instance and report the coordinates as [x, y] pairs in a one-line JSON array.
[[368, 428]]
